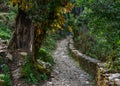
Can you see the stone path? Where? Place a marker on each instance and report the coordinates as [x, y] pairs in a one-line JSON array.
[[66, 72]]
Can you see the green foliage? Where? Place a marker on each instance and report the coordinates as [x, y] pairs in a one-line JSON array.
[[6, 78], [99, 30], [44, 76], [45, 56], [5, 32], [50, 43], [30, 73], [34, 76], [6, 73], [11, 16]]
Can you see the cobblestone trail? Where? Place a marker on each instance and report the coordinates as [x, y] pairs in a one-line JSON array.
[[66, 72]]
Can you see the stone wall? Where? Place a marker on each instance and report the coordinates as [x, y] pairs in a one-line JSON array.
[[95, 68]]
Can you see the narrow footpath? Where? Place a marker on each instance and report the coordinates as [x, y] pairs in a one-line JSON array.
[[66, 71]]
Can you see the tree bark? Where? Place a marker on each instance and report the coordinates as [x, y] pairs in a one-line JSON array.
[[28, 37], [23, 35]]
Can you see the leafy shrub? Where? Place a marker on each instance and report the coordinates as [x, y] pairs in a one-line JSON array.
[[44, 76], [34, 76], [101, 38], [30, 73], [6, 73], [50, 43], [45, 56], [6, 78], [5, 32]]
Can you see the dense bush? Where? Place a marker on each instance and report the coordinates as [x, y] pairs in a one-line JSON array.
[[45, 56], [5, 32], [28, 73], [98, 29], [50, 43]]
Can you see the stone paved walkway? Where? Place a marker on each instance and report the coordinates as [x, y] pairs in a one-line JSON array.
[[66, 72]]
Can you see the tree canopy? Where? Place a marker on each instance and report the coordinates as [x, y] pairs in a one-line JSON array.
[[49, 12]]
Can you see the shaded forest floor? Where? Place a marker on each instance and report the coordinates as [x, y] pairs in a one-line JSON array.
[[66, 72]]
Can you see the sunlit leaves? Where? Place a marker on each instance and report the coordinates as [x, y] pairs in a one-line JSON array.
[[23, 4]]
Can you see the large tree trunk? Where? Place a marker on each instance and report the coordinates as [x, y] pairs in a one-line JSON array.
[[23, 35], [28, 37]]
